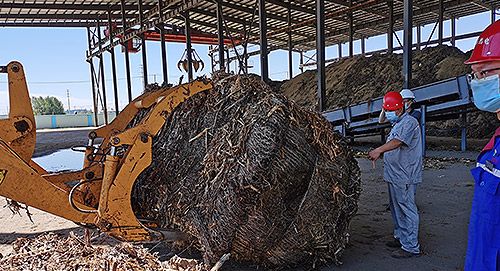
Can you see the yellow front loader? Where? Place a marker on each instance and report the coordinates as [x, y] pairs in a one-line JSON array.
[[102, 194]]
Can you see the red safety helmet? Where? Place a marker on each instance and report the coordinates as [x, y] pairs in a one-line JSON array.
[[487, 46], [392, 101]]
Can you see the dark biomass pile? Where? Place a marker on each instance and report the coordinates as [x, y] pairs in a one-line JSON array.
[[246, 171], [358, 79]]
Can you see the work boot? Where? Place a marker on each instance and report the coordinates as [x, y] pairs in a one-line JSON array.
[[394, 243], [402, 254]]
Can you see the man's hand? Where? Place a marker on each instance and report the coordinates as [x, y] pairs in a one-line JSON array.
[[374, 155]]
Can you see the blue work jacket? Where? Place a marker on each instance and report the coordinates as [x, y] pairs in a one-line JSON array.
[[483, 248]]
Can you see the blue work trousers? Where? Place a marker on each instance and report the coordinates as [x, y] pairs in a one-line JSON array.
[[405, 215]]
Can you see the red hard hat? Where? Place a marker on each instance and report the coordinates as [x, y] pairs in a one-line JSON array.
[[487, 46], [392, 101]]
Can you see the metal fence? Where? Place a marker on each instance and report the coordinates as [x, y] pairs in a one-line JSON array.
[[67, 121]]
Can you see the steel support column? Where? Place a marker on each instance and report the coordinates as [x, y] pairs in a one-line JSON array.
[[440, 22], [290, 44], [102, 85], [211, 55], [245, 54], [127, 57], [320, 53], [301, 62], [419, 37], [143, 49], [407, 42], [453, 31], [113, 65], [264, 61], [228, 64], [423, 110], [351, 31], [363, 49], [382, 136], [493, 14], [463, 122], [92, 79], [390, 29], [163, 46], [189, 49], [220, 34]]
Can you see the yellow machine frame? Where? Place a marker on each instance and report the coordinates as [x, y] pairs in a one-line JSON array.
[[102, 196]]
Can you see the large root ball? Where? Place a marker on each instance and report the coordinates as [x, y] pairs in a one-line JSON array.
[[246, 171]]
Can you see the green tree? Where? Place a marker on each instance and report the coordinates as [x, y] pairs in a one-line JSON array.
[[47, 106]]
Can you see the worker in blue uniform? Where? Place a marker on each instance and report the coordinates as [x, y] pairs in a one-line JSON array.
[[483, 248], [409, 104], [402, 172]]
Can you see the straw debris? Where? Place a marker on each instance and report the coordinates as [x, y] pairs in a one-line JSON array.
[[53, 252]]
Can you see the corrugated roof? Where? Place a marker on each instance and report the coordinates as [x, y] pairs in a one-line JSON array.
[[370, 17]]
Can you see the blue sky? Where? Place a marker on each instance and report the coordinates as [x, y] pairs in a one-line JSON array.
[[54, 60]]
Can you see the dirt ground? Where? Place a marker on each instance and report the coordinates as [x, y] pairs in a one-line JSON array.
[[444, 200]]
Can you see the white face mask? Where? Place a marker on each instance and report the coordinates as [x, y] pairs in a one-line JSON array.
[[391, 116], [486, 93]]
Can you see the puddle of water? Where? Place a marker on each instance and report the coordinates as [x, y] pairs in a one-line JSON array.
[[62, 160]]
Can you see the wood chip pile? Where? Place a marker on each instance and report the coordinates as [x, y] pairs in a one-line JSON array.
[[53, 252], [358, 79], [245, 171]]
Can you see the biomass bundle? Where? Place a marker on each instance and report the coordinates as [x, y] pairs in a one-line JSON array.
[[245, 171]]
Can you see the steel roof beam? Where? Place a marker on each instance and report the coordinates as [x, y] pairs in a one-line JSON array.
[[40, 24], [480, 3], [88, 17], [97, 7], [297, 8], [338, 2], [210, 25], [346, 4], [329, 15], [292, 6], [301, 9], [250, 11], [445, 14], [243, 22], [398, 16], [151, 14], [268, 14], [152, 20]]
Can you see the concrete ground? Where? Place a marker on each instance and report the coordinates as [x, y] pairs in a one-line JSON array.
[[444, 200]]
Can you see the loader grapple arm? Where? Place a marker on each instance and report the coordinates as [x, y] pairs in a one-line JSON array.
[[102, 196], [19, 129]]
